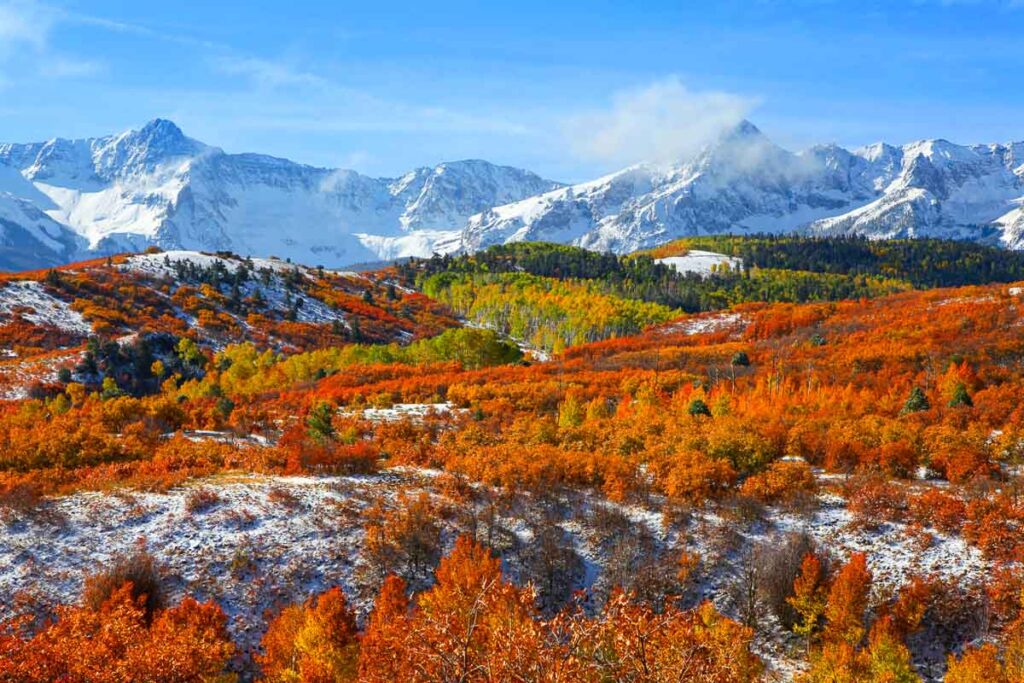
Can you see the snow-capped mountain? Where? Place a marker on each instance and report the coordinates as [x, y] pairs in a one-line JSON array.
[[64, 199], [745, 183]]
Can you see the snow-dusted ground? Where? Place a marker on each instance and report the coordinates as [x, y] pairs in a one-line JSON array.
[[252, 549], [201, 435], [893, 554], [407, 411], [702, 262], [17, 376], [161, 264], [270, 540], [275, 293], [702, 324], [38, 306]]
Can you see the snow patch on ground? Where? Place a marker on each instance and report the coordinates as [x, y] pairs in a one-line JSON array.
[[703, 324], [407, 411], [893, 555], [17, 376], [36, 305], [701, 262], [250, 551]]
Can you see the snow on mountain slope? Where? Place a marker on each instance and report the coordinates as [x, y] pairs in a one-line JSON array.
[[746, 183], [415, 243], [29, 238], [65, 199], [157, 186]]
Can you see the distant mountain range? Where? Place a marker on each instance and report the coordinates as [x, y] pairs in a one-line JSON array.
[[64, 200]]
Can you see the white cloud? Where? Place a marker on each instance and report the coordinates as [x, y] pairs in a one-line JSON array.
[[664, 121]]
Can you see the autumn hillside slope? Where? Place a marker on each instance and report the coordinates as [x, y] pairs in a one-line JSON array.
[[149, 303], [805, 477], [554, 296]]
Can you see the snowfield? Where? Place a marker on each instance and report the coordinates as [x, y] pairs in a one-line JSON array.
[[700, 262]]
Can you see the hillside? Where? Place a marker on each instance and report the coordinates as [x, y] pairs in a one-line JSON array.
[[730, 471], [553, 296], [150, 302]]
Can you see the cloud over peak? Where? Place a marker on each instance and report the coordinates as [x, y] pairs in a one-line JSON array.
[[663, 121]]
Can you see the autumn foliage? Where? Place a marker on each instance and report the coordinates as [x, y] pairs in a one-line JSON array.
[[475, 626], [907, 407], [119, 643], [316, 642]]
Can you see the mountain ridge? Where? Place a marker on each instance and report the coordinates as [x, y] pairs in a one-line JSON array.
[[156, 186], [63, 200], [744, 183]]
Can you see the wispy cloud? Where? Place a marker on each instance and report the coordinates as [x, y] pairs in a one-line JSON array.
[[24, 23], [26, 27], [267, 73], [663, 121], [321, 103]]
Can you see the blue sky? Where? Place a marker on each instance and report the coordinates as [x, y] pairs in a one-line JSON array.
[[568, 89]]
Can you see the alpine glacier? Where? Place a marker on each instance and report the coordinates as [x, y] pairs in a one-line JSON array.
[[67, 199]]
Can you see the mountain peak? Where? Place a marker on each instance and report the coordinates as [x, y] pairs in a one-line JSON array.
[[158, 140], [738, 138], [745, 129], [161, 129], [742, 132], [162, 137]]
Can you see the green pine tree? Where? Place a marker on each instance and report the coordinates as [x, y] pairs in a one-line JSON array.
[[319, 422], [699, 407], [960, 397], [917, 401]]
